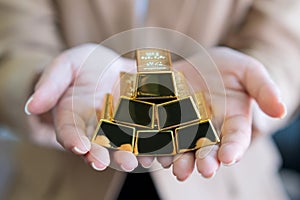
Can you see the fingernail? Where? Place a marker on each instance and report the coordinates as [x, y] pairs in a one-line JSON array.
[[212, 176], [147, 165], [230, 164], [127, 168], [79, 151], [167, 166], [86, 143], [285, 111], [97, 167], [26, 106]]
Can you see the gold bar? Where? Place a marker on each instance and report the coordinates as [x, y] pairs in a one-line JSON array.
[[114, 136], [202, 106], [181, 85], [153, 60], [195, 136], [155, 85], [127, 84], [177, 113], [154, 143], [107, 107], [135, 113]]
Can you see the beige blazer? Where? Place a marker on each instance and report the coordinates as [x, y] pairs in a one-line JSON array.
[[33, 32]]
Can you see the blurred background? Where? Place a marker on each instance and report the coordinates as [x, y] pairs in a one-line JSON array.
[[22, 163]]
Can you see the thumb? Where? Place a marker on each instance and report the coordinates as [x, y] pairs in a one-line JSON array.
[[254, 78], [50, 87], [56, 78]]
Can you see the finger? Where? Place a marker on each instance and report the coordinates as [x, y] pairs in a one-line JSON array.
[[51, 86], [165, 161], [236, 130], [207, 161], [263, 89], [125, 160], [98, 157], [183, 165], [56, 79], [146, 161], [253, 77], [236, 137], [71, 131]]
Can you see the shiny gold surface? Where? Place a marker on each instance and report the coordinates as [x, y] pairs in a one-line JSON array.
[[153, 60], [155, 143], [201, 103], [127, 84], [107, 136], [181, 85], [197, 138], [155, 87], [176, 113], [157, 115], [135, 113], [107, 108]]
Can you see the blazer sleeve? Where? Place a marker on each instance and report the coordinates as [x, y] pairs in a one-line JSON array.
[[270, 32], [29, 39]]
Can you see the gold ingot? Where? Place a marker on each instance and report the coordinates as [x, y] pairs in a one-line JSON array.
[[149, 60], [201, 103], [127, 84], [156, 87], [114, 136], [195, 136], [177, 113], [181, 85], [154, 143], [135, 113], [107, 107]]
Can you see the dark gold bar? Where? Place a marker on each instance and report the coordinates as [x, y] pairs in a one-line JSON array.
[[176, 113], [153, 60], [195, 136], [135, 113], [156, 87], [114, 136], [201, 103], [154, 143]]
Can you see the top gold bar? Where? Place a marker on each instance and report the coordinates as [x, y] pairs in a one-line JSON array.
[[153, 60]]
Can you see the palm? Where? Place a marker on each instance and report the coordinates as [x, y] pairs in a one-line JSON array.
[[245, 80]]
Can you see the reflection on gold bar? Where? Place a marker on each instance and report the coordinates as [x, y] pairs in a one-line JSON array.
[[181, 85], [195, 136], [127, 84], [175, 113], [107, 107], [135, 113], [154, 143], [153, 60], [114, 136], [202, 106], [151, 86]]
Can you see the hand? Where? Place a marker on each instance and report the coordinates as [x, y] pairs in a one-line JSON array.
[[67, 91], [245, 79]]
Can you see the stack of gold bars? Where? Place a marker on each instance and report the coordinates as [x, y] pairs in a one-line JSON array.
[[156, 114]]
